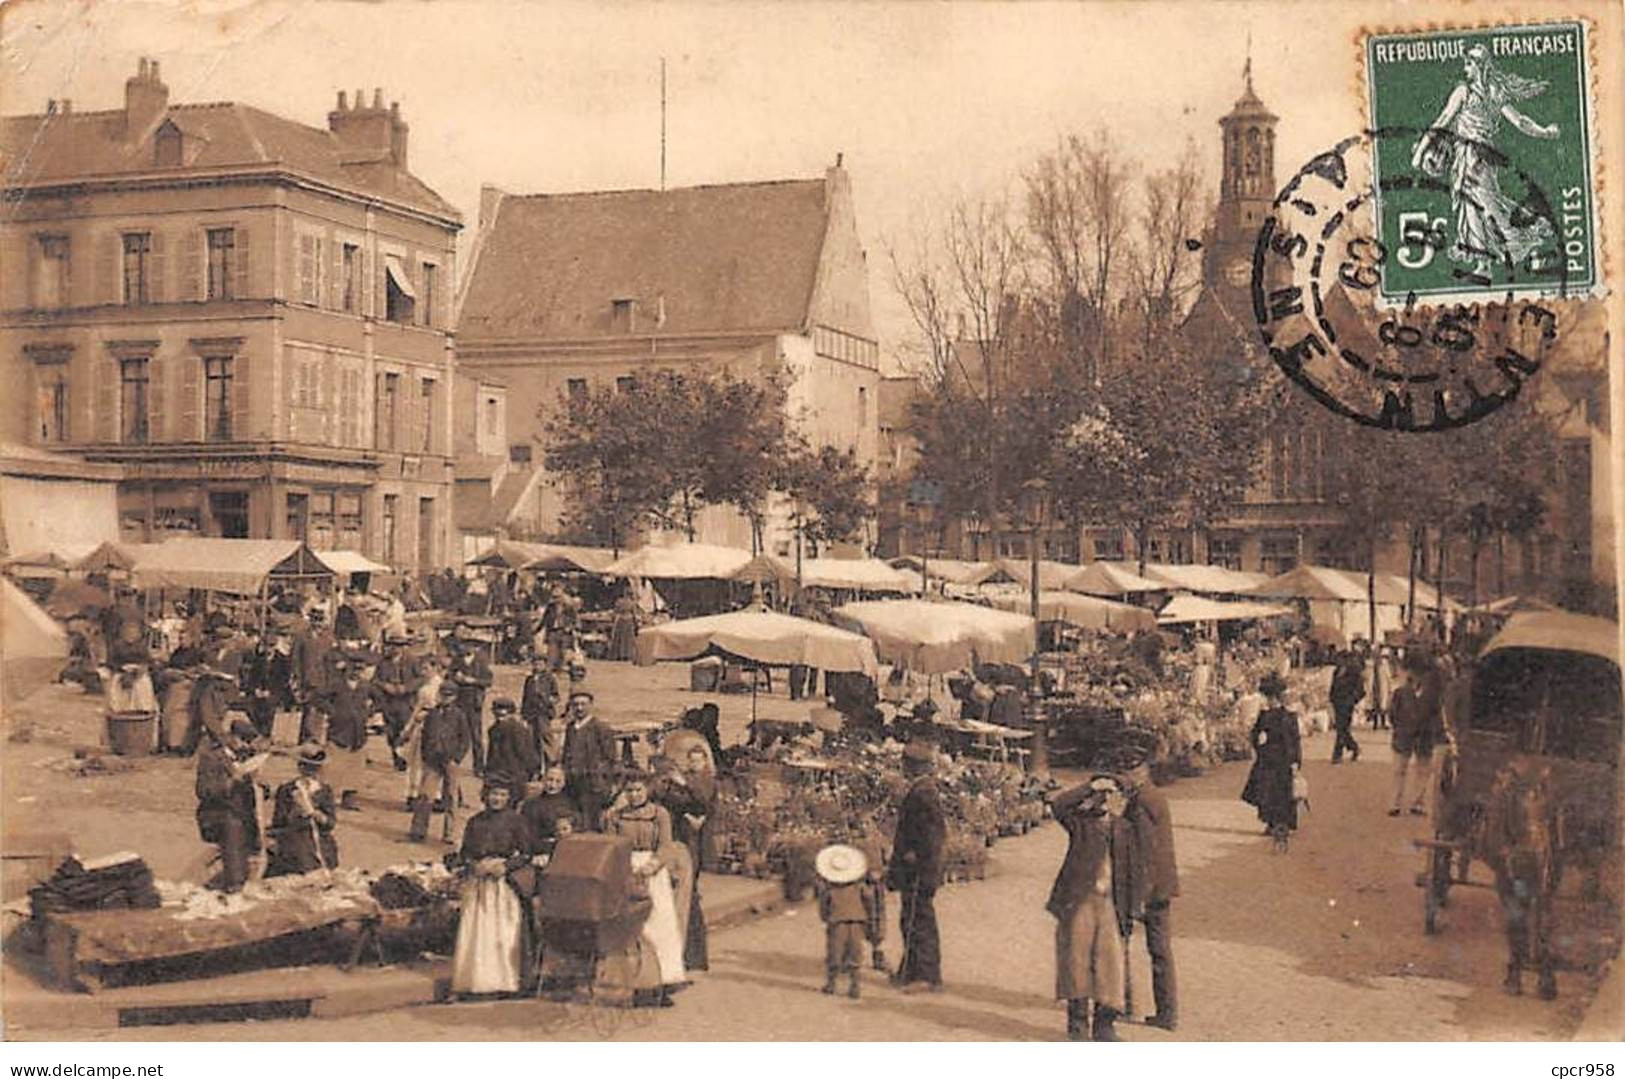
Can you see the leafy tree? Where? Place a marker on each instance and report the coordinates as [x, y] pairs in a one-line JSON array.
[[828, 489]]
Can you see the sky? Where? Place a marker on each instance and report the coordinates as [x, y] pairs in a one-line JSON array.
[[926, 101]]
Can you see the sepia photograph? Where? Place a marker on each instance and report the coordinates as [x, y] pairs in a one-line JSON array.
[[820, 521]]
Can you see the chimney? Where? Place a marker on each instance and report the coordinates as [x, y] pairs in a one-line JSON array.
[[491, 198], [367, 133], [397, 135], [146, 99]]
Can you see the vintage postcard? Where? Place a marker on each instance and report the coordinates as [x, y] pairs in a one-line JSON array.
[[823, 521]]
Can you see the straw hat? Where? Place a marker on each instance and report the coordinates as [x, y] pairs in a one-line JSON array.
[[841, 864]]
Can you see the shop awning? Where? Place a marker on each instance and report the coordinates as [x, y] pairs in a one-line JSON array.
[[952, 570], [397, 274], [238, 566]]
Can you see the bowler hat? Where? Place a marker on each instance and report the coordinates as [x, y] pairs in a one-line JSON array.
[[502, 705]]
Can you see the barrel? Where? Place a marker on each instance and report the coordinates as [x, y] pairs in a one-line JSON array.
[[130, 734]]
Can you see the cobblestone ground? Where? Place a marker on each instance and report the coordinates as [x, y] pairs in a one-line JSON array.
[[1322, 942]]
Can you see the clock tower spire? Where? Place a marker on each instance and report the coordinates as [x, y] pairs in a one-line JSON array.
[[1247, 178]]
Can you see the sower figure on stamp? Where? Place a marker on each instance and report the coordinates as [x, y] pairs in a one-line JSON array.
[[916, 871]]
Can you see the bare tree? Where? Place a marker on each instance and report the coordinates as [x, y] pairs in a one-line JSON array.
[[1164, 268], [1079, 216]]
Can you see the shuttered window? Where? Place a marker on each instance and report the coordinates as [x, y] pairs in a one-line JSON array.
[[133, 386], [309, 268], [222, 247], [218, 399], [137, 252]]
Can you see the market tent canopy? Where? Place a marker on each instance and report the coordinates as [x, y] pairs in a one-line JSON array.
[[1182, 609], [112, 556], [346, 563], [1312, 582], [685, 561], [563, 558], [765, 637], [1559, 630], [71, 596], [849, 574], [1204, 580], [934, 638], [507, 554], [952, 570], [1085, 612], [1105, 579], [1051, 575], [65, 556], [34, 644], [239, 566], [1513, 605]]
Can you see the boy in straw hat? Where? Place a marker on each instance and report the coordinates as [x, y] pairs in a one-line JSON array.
[[845, 905]]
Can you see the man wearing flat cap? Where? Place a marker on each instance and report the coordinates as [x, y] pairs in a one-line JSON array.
[[471, 674], [589, 760], [397, 680], [511, 751], [443, 745], [915, 871]]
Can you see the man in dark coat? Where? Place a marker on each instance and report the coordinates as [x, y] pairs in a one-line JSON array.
[[1348, 686], [472, 675], [397, 680], [211, 695], [589, 761], [444, 744], [511, 751], [227, 800], [313, 669], [1417, 712], [303, 819], [1157, 877], [538, 704], [918, 850]]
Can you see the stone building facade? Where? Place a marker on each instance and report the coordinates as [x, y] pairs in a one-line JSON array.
[[249, 314]]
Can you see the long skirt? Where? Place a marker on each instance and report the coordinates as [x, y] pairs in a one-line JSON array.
[[1089, 954], [661, 932], [490, 938]]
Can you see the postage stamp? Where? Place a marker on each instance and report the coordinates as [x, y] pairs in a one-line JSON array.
[[1483, 158]]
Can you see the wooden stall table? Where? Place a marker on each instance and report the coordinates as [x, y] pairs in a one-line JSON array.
[[91, 949]]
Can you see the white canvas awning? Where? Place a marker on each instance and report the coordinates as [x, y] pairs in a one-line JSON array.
[[397, 274], [1184, 609], [346, 563], [1075, 609], [766, 637], [1105, 579], [934, 638], [685, 561]]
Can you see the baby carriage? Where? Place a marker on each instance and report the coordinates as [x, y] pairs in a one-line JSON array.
[[588, 922]]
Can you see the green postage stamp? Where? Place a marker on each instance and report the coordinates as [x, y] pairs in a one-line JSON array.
[[1483, 180]]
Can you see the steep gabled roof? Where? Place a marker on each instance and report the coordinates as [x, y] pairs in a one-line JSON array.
[[729, 257], [65, 147]]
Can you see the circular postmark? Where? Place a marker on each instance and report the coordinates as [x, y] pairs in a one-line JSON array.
[[1324, 252]]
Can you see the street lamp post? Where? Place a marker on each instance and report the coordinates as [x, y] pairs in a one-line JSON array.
[[922, 512], [1034, 498]]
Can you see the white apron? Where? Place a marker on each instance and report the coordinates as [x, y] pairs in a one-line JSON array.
[[490, 938], [661, 931]]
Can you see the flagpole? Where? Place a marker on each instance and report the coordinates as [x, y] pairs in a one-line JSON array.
[[662, 123]]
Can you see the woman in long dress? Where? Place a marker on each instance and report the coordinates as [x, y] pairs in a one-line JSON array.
[[690, 795], [1278, 755], [648, 826], [1489, 226], [623, 632], [492, 933]]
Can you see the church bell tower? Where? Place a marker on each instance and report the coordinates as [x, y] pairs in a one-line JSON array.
[[1246, 188]]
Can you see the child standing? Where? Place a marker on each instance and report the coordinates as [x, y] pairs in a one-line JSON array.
[[844, 904]]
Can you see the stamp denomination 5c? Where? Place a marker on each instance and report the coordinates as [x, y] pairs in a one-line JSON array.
[[1484, 181]]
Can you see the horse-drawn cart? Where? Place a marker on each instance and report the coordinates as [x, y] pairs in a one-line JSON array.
[[1529, 781]]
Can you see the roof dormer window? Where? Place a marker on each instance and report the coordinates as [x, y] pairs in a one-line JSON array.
[[169, 146]]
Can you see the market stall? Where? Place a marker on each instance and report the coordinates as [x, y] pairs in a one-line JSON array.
[[1183, 610], [562, 558], [1081, 611], [1052, 576], [934, 638], [1105, 579], [689, 578], [233, 567], [352, 568], [862, 576]]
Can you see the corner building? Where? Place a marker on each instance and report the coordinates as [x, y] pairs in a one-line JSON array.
[[249, 314]]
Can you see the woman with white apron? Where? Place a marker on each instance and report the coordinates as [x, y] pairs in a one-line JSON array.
[[491, 928], [648, 826]]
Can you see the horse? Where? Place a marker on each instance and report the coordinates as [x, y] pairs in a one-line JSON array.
[[1518, 840]]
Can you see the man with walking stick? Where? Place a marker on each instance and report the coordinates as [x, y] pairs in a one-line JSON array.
[[916, 871]]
